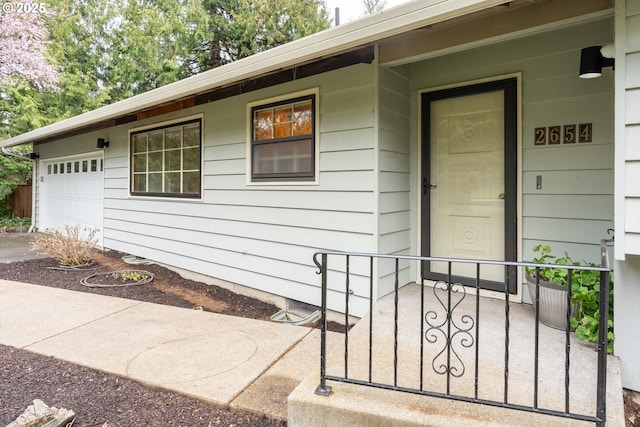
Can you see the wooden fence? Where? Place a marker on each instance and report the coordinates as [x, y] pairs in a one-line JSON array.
[[19, 202]]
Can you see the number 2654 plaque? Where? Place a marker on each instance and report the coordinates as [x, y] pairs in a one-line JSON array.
[[565, 134]]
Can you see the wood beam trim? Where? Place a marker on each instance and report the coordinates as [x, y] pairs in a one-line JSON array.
[[358, 56]]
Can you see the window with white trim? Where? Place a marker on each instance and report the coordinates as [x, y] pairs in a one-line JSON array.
[[283, 140], [165, 160]]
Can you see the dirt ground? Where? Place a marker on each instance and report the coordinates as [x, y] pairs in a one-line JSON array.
[[167, 286], [99, 398], [632, 409]]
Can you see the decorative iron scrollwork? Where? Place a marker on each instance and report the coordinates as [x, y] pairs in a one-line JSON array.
[[454, 332]]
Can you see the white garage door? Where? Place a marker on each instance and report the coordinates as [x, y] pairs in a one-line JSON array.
[[71, 193]]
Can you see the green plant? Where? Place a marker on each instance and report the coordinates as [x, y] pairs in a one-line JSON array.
[[585, 292], [552, 275], [129, 275], [72, 248], [9, 221]]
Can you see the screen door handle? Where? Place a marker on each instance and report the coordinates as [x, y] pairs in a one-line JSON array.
[[427, 186]]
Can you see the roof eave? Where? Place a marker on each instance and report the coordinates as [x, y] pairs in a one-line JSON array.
[[388, 23]]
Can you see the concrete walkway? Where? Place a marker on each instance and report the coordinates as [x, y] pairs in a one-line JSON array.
[[242, 363], [17, 247]]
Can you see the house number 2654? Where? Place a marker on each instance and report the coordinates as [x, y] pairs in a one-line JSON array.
[[566, 134]]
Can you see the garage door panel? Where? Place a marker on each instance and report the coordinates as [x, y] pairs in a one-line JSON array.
[[72, 194]]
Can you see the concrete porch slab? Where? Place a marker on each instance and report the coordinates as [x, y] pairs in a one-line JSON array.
[[365, 406]]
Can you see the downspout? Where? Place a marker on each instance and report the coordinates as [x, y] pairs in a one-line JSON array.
[[34, 190]]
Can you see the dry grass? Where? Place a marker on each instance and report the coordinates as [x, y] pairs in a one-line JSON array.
[[72, 248]]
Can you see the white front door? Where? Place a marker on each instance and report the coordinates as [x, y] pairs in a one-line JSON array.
[[464, 181], [71, 193]]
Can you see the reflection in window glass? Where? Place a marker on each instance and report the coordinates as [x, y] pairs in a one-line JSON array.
[[155, 161], [172, 182], [139, 142], [140, 182], [155, 141], [173, 138], [140, 162], [191, 182], [165, 161], [172, 159], [191, 135], [155, 182], [283, 146], [191, 158]]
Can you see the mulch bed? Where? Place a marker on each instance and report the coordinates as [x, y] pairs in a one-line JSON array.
[[98, 398], [167, 287]]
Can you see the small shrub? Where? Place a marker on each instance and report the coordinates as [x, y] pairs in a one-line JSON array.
[[72, 248], [129, 276], [14, 222]]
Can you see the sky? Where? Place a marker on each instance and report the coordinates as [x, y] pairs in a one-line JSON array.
[[353, 9]]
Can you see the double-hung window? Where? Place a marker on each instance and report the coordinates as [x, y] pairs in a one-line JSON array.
[[283, 141], [165, 160]]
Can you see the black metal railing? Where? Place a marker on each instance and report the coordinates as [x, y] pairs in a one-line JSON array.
[[457, 336]]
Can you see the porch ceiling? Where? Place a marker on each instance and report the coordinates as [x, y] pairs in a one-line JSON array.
[[485, 24]]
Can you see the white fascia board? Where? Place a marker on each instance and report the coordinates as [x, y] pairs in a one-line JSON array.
[[391, 22]]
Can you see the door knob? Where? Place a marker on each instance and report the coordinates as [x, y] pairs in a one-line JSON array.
[[501, 196]]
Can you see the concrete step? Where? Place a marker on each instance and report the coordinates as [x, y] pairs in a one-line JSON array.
[[359, 406]]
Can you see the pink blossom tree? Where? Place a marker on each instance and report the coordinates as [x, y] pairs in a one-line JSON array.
[[23, 69], [23, 42]]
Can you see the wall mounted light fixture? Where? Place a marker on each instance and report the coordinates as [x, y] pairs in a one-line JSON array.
[[34, 156], [594, 58], [102, 143]]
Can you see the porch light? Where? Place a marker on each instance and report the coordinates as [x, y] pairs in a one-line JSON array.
[[593, 58], [102, 143]]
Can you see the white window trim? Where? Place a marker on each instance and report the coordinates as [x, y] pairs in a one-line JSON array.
[[163, 124], [249, 127]]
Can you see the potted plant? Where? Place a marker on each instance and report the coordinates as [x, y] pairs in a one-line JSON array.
[[585, 294], [553, 287]]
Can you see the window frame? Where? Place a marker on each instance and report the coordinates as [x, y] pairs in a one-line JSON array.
[[183, 121], [293, 178]]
